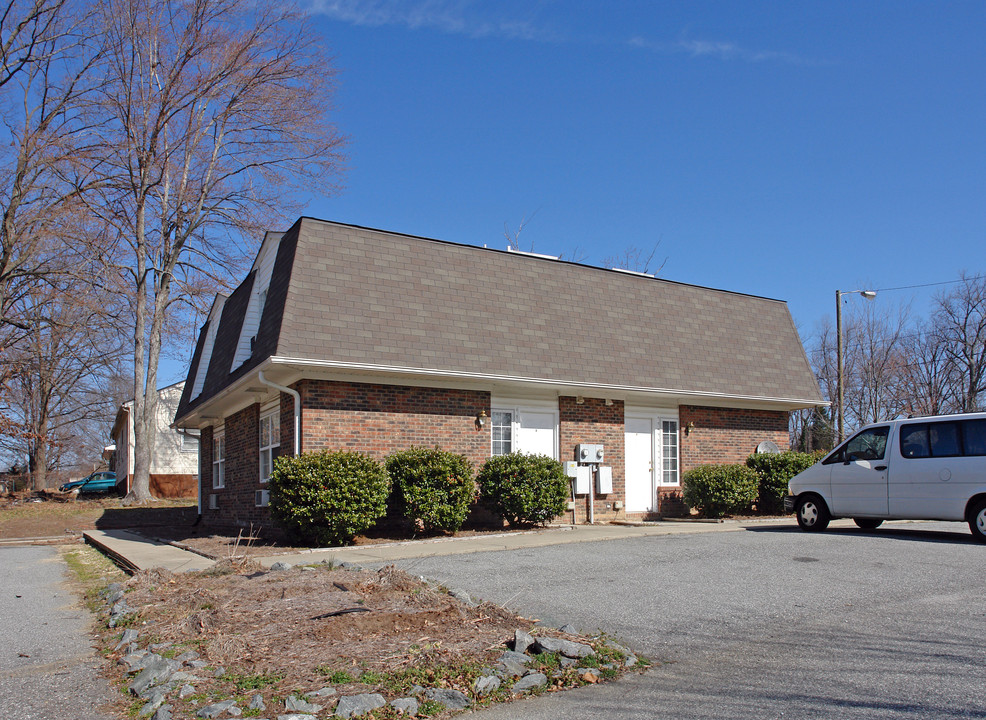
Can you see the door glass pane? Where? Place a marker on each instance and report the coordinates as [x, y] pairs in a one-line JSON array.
[[868, 445]]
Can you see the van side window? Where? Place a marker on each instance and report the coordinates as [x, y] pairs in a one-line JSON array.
[[914, 441], [868, 445], [974, 437], [944, 438]]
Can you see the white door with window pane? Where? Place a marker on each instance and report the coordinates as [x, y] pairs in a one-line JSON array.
[[639, 464]]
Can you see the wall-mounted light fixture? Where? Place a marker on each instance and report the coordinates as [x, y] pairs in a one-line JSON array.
[[689, 426], [579, 400], [609, 402], [481, 420]]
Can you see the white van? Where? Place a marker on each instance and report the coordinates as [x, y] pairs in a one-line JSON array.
[[928, 468]]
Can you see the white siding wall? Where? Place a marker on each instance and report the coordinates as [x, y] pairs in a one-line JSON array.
[[264, 265]]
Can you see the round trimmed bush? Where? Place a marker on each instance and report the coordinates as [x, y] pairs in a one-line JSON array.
[[774, 471], [431, 487], [524, 489], [327, 498], [715, 490]]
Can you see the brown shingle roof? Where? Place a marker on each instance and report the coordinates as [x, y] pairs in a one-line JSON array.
[[368, 297]]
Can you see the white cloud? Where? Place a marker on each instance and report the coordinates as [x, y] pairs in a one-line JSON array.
[[453, 17], [716, 49]]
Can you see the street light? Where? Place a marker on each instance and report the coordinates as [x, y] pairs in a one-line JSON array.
[[869, 295]]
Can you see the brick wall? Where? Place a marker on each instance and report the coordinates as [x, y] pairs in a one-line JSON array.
[[380, 419], [594, 421], [727, 435]]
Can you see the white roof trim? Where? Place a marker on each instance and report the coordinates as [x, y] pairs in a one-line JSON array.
[[602, 387]]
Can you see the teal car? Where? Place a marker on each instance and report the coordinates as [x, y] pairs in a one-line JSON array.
[[98, 482]]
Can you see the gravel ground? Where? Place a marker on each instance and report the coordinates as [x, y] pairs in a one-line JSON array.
[[47, 667]]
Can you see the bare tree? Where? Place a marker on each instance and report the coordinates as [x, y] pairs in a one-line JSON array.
[[217, 115], [960, 327], [636, 259], [37, 185], [59, 372], [928, 375]]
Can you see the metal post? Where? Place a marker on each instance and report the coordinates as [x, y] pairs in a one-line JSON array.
[[838, 352]]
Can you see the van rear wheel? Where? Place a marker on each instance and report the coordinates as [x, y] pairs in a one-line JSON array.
[[977, 521], [868, 523], [812, 514]]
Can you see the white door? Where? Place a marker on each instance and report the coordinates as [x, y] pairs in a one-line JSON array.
[[639, 465], [536, 433]]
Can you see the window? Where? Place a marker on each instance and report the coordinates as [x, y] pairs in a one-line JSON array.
[[219, 461], [270, 438], [867, 445], [922, 440], [189, 443], [974, 437], [502, 427], [669, 452]]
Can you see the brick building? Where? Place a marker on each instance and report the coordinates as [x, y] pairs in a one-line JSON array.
[[344, 337]]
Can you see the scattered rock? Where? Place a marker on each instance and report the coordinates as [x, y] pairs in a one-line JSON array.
[[452, 699], [155, 701], [257, 703], [522, 641], [217, 709], [219, 672], [350, 566], [185, 690], [568, 629], [156, 671], [486, 684], [163, 713], [356, 705], [530, 682], [198, 664], [158, 647], [322, 692], [279, 566], [129, 636], [187, 657], [462, 596], [405, 706], [563, 647], [589, 675], [296, 716], [295, 704], [135, 661], [567, 662]]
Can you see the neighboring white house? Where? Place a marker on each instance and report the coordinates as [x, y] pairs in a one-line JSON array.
[[174, 460]]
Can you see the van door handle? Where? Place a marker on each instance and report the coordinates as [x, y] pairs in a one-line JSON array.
[[880, 468]]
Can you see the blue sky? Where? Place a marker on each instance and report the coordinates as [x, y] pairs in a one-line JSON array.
[[778, 149]]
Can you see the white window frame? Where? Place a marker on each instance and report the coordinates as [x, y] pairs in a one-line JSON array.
[[664, 436], [189, 442], [510, 427], [218, 459], [516, 408], [272, 418]]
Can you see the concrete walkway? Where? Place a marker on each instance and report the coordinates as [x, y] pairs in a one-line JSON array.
[[137, 552]]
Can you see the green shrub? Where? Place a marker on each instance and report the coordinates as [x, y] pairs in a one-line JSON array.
[[774, 470], [715, 490], [327, 498], [432, 488], [524, 489]]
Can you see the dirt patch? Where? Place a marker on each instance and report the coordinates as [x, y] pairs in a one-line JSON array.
[[357, 631], [23, 515]]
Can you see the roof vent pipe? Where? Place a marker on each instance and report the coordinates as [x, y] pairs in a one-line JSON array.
[[297, 408]]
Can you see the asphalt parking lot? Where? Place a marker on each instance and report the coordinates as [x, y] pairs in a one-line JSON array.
[[768, 622]]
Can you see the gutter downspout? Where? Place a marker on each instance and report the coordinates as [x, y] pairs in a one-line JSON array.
[[297, 408]]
